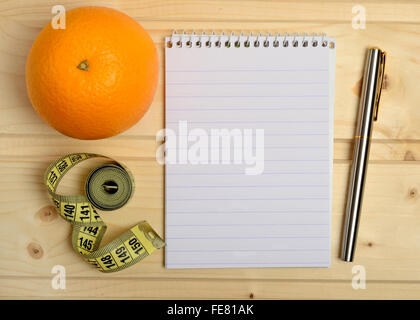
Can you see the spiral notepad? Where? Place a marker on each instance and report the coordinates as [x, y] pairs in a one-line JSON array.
[[268, 96]]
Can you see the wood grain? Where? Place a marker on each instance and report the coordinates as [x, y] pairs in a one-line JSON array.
[[232, 10], [33, 238], [398, 112], [381, 239], [155, 288]]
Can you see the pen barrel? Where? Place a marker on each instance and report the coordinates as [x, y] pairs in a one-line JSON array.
[[355, 197], [360, 153]]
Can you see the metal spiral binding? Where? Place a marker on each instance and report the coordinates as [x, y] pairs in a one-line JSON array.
[[189, 40]]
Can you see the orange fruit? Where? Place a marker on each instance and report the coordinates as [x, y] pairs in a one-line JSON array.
[[95, 78]]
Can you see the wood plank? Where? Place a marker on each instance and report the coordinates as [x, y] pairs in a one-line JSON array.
[[33, 238], [388, 238], [49, 147], [398, 116], [106, 288], [219, 10]]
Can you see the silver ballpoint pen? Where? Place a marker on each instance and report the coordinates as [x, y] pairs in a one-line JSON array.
[[368, 112]]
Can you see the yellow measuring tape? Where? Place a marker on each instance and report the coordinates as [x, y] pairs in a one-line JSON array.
[[107, 187]]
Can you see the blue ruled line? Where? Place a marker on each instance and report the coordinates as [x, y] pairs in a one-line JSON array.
[[247, 212], [265, 96], [239, 238], [252, 121], [237, 174], [274, 264], [274, 250], [243, 199], [247, 225], [242, 83], [251, 70], [251, 186]]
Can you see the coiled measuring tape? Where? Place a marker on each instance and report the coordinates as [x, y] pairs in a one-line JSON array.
[[107, 187]]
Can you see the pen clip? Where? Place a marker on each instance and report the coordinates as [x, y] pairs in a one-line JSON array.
[[380, 81]]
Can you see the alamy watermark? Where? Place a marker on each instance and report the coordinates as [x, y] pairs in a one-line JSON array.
[[212, 147], [359, 277], [58, 282], [59, 20], [359, 18]]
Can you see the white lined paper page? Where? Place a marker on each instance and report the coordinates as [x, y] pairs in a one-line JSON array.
[[216, 215]]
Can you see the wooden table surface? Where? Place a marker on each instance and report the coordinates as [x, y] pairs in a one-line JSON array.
[[34, 239]]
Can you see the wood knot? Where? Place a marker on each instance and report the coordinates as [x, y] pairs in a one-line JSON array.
[[412, 193], [251, 295], [370, 244], [409, 156], [47, 214], [357, 88], [35, 250]]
